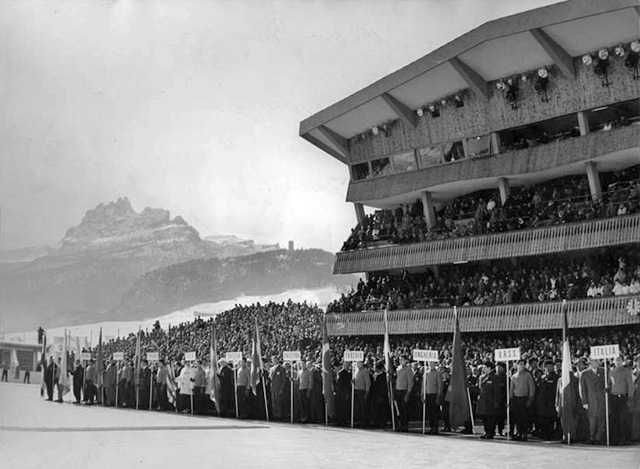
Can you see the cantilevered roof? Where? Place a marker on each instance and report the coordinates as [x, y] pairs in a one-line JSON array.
[[507, 46]]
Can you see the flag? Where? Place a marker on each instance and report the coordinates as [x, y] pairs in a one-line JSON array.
[[14, 363], [99, 363], [64, 368], [43, 365], [387, 368], [327, 374], [215, 385], [568, 411], [256, 359], [138, 360], [459, 410], [171, 385]]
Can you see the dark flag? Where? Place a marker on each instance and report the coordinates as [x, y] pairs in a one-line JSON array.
[[327, 373], [256, 359], [459, 407], [215, 385], [568, 411], [99, 366]]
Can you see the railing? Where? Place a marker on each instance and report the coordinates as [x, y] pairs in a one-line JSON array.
[[532, 242], [599, 312]]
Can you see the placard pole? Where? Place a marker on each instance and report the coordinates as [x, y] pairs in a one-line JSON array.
[[150, 387], [235, 388], [508, 401], [116, 404], [352, 399], [291, 392], [606, 398], [424, 398]]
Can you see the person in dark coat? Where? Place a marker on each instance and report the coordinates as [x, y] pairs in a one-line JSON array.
[[317, 399], [144, 386], [278, 377], [545, 401], [110, 381], [49, 376], [592, 394], [379, 397], [488, 401], [500, 382], [227, 402], [78, 378], [343, 394]]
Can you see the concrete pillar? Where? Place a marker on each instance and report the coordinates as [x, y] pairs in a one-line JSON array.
[[594, 180], [428, 207], [495, 143], [503, 186], [583, 123], [359, 212]]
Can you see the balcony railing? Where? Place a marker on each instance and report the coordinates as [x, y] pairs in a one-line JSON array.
[[531, 242], [612, 311]]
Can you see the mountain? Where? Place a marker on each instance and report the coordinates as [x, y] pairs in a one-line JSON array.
[[128, 264], [10, 256]]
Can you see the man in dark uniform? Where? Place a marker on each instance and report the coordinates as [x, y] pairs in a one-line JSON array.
[[379, 397], [110, 381], [343, 394], [545, 400], [500, 382], [78, 377], [317, 399], [227, 403], [49, 376], [488, 400], [403, 388], [145, 383], [278, 376]]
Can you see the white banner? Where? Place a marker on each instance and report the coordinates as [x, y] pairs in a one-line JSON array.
[[599, 352], [233, 357], [507, 354], [154, 356], [425, 355], [353, 355], [118, 355], [291, 356], [190, 356], [85, 356]]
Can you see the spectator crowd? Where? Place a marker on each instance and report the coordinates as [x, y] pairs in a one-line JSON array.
[[554, 202]]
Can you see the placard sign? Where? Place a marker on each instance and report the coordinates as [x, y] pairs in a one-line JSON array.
[[118, 355], [425, 355], [85, 356], [190, 356], [153, 356], [233, 357], [507, 354], [291, 356], [605, 351], [353, 355]]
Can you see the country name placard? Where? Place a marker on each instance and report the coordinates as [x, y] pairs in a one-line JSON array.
[[118, 355], [291, 356], [190, 356], [599, 352], [507, 354], [353, 355], [233, 357], [425, 355], [85, 356], [153, 356]]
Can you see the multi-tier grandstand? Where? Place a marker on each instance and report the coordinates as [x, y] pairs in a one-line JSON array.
[[500, 174]]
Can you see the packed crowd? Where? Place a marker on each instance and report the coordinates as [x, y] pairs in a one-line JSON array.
[[610, 272], [562, 200]]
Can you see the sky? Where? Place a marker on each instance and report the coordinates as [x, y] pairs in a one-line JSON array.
[[194, 106]]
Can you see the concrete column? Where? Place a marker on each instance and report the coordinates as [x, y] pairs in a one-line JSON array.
[[359, 211], [428, 207], [594, 180], [503, 186], [583, 123], [495, 143]]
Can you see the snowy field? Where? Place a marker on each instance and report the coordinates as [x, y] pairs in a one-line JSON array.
[[37, 434]]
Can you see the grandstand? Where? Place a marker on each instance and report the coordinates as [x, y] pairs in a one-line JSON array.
[[500, 174]]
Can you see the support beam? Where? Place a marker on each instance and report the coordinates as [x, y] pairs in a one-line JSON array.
[[359, 212], [402, 110], [335, 138], [583, 122], [326, 148], [594, 181], [560, 57], [503, 187], [473, 79], [429, 209], [495, 143]]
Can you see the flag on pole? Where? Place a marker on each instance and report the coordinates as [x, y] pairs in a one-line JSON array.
[[567, 389], [99, 363], [43, 365], [64, 368], [215, 385], [138, 360], [327, 374], [14, 363], [256, 359], [171, 385], [387, 368], [459, 410]]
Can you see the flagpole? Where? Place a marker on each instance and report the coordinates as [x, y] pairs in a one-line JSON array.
[[150, 387], [291, 394], [473, 423], [606, 398], [117, 386], [235, 388], [264, 392], [424, 401]]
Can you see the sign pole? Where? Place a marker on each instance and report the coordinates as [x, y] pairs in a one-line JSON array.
[[291, 393], [235, 388], [508, 401], [473, 423], [352, 397], [606, 398], [424, 400], [117, 386], [191, 385], [150, 388]]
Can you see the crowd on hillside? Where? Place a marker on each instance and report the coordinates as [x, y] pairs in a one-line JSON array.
[[611, 272], [558, 201]]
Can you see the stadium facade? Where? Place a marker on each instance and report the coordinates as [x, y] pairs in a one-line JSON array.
[[460, 120]]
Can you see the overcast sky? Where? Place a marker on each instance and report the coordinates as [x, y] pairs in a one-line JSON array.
[[194, 106]]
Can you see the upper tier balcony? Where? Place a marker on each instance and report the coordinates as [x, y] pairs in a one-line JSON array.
[[601, 312], [532, 242]]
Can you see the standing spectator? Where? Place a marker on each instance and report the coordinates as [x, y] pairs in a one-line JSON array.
[[522, 399], [592, 394], [5, 372]]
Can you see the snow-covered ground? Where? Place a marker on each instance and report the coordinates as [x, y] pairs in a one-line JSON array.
[[113, 329]]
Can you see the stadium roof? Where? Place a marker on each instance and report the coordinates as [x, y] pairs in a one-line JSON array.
[[500, 48]]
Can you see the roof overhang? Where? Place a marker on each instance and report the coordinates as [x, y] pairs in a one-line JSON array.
[[546, 36]]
